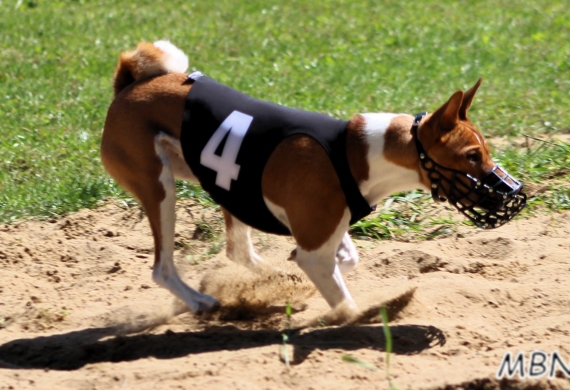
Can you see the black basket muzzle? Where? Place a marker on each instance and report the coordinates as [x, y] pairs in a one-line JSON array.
[[489, 202]]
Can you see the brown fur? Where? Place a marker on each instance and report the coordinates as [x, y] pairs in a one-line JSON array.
[[127, 148], [467, 100], [400, 148], [143, 58], [300, 177], [447, 138], [356, 148], [399, 145]]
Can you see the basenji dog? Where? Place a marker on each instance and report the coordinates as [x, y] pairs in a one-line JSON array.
[[309, 182]]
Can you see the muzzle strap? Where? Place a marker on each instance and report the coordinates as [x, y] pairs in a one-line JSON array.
[[425, 161]]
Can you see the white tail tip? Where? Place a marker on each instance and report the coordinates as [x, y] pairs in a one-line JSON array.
[[175, 60]]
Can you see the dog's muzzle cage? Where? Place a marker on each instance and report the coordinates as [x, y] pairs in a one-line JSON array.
[[489, 202]]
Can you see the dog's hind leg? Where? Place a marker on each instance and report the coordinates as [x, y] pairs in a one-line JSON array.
[[164, 272], [147, 173], [239, 247]]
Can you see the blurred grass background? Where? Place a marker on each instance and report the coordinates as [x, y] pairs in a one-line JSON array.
[[334, 56]]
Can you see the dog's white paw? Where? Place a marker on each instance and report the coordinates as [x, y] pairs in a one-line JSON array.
[[204, 303]]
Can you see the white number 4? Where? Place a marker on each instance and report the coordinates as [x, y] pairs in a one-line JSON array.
[[237, 124]]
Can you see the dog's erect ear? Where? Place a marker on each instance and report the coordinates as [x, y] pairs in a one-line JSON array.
[[446, 117], [467, 99]]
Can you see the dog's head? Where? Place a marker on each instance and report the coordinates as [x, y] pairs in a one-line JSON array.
[[457, 166]]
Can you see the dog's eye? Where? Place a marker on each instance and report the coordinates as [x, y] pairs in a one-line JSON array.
[[473, 157]]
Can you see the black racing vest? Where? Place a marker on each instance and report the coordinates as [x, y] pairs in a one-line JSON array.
[[227, 138]]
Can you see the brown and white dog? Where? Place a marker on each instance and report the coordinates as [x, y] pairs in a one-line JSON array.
[[141, 149]]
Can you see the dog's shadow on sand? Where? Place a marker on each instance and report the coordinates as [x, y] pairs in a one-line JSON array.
[[125, 342], [73, 350]]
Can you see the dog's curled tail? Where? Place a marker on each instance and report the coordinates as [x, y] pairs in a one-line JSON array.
[[148, 60]]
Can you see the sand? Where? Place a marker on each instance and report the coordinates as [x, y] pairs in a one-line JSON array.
[[79, 310]]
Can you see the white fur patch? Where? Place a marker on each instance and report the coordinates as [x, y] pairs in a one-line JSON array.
[[375, 127], [385, 177], [174, 61]]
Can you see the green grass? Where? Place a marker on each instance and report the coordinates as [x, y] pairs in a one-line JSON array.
[[388, 336], [338, 57]]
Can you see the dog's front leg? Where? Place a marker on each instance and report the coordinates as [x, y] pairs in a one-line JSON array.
[[239, 247], [320, 266]]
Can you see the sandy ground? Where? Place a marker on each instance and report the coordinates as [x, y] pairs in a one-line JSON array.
[[78, 309]]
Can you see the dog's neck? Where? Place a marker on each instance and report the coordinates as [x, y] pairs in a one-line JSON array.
[[392, 157]]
